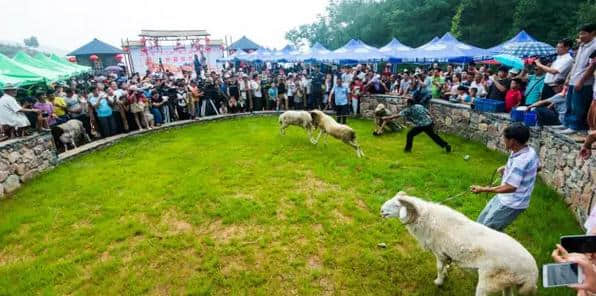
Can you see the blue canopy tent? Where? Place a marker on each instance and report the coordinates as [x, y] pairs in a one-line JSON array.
[[528, 49], [520, 37], [286, 54], [447, 49], [240, 55], [244, 44], [395, 50], [356, 51], [260, 55], [316, 53], [432, 41]]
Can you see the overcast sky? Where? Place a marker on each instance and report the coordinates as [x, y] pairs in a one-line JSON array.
[[68, 24]]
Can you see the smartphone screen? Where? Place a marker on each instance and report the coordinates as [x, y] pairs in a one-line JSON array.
[[557, 275], [579, 243]]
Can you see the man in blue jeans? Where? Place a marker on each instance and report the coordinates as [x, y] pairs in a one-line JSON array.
[[580, 81], [519, 176]]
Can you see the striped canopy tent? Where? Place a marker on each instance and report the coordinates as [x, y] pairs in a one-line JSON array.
[[522, 36], [528, 49]]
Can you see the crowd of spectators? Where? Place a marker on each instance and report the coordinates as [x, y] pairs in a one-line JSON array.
[[559, 89]]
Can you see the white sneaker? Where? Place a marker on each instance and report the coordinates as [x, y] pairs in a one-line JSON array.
[[567, 131]]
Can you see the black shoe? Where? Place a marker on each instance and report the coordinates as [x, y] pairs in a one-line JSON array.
[[448, 148], [407, 150]]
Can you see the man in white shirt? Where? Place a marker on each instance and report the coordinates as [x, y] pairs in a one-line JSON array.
[[559, 68], [255, 86], [11, 113], [306, 84], [479, 85], [580, 81], [404, 85], [245, 93]]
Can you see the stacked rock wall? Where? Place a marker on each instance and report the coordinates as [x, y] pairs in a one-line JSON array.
[[22, 159], [572, 177]]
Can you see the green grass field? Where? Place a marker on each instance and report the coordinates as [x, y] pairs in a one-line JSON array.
[[233, 208]]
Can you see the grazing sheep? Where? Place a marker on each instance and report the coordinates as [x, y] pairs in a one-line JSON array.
[[503, 264], [328, 125], [72, 130], [298, 118]]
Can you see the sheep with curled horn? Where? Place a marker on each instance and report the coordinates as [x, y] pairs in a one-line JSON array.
[[503, 264]]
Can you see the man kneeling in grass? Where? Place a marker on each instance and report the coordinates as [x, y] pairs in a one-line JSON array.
[[519, 176], [382, 126]]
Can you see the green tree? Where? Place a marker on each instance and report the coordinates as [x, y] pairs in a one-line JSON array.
[[31, 42], [483, 23]]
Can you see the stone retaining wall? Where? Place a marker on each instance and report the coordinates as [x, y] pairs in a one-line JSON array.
[[22, 159], [572, 177]]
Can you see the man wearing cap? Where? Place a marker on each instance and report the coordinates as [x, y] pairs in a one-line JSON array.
[[11, 113], [534, 86], [499, 86], [552, 110]]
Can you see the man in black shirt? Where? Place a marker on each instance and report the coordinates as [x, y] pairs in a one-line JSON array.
[[499, 86], [316, 90]]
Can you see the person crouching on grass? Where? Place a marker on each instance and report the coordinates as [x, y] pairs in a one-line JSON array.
[[422, 121], [519, 176], [382, 126]]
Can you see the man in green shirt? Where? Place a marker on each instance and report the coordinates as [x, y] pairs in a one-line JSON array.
[[535, 84], [437, 84], [422, 121]]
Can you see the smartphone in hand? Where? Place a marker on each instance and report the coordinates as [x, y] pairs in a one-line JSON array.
[[561, 275], [579, 243]]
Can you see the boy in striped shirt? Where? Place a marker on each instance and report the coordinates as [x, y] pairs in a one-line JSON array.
[[519, 176]]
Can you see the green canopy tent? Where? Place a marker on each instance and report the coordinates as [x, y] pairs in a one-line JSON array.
[[12, 80], [60, 60], [49, 73], [15, 73], [67, 65], [53, 65]]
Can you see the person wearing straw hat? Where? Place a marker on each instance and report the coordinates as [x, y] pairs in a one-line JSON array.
[[11, 113], [382, 126]]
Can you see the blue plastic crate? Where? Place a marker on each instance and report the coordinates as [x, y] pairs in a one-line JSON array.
[[488, 105]]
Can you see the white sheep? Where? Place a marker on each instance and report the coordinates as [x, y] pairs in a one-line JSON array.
[[328, 125], [503, 263], [72, 130], [297, 118]]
